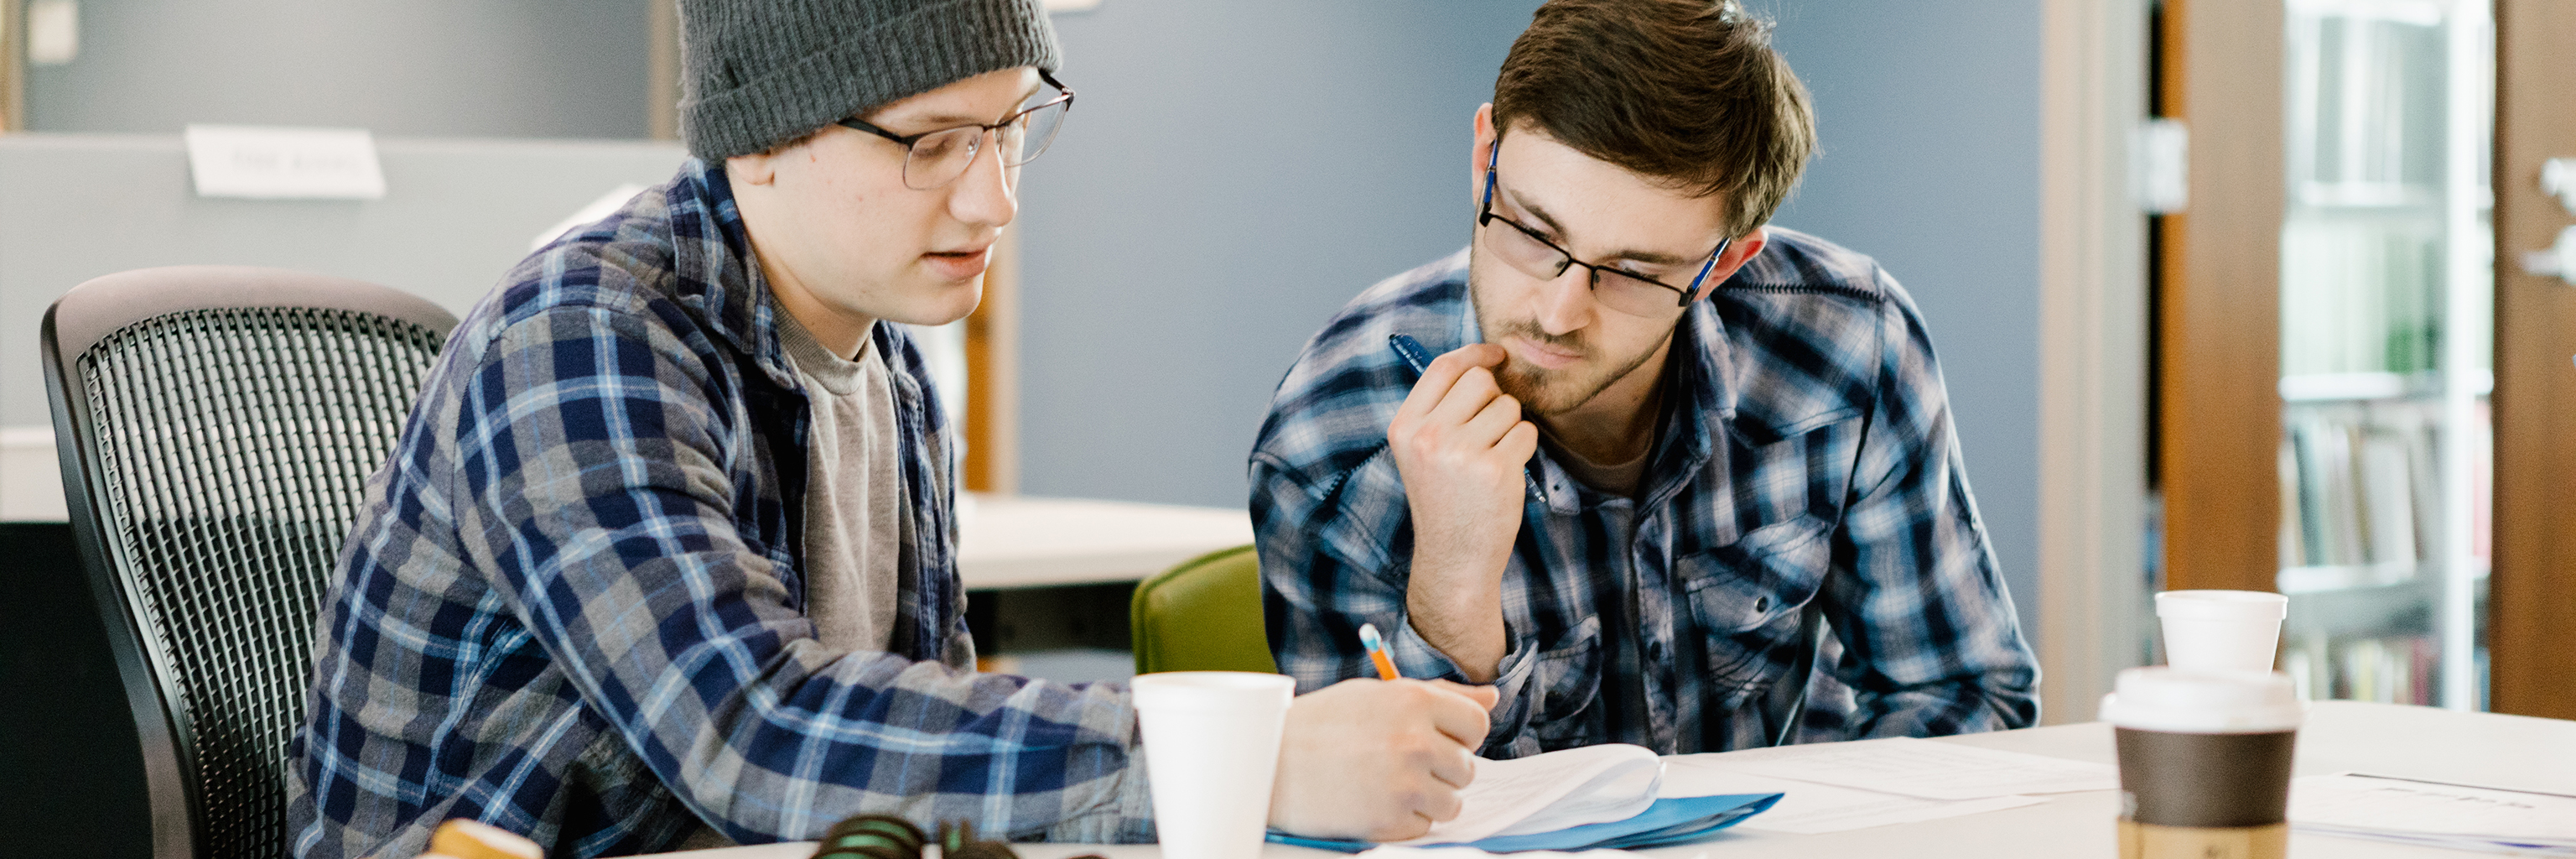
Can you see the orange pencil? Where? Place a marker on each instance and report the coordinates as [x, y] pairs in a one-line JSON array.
[[1376, 648]]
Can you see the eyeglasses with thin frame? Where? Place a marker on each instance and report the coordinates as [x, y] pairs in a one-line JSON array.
[[936, 158], [1618, 289]]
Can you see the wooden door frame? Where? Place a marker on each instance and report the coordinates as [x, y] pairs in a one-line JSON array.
[[2219, 422], [2532, 590]]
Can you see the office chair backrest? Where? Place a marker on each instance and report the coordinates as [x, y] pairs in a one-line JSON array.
[[217, 426], [1203, 615]]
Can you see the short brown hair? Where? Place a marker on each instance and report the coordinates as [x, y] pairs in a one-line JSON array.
[[1687, 91]]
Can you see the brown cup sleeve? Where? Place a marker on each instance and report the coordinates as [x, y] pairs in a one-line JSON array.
[[2178, 779]]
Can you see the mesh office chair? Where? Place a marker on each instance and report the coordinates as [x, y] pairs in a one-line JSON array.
[[217, 426]]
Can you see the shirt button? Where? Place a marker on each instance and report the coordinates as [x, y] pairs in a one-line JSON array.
[[1655, 650]]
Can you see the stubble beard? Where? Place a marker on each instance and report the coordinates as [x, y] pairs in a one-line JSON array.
[[1541, 391]]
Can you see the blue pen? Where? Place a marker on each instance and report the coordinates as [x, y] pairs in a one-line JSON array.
[[1419, 358]]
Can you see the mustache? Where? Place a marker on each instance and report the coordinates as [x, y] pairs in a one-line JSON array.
[[1571, 341]]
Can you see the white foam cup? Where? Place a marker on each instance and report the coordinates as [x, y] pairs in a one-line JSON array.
[[2221, 630], [1212, 749]]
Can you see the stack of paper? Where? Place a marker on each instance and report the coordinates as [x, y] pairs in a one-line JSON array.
[[1603, 796], [2434, 814], [1839, 786]]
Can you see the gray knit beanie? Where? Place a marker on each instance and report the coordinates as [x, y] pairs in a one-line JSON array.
[[759, 73]]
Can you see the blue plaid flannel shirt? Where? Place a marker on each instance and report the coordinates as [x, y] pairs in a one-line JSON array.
[[571, 606], [1805, 453]]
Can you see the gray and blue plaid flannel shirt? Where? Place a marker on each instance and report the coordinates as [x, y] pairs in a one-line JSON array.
[[572, 605], [1805, 453]]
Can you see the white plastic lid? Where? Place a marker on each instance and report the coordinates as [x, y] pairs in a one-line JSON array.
[[2161, 698], [1213, 690], [2222, 605]]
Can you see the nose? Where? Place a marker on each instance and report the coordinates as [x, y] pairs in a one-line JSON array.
[[984, 195], [1565, 302]]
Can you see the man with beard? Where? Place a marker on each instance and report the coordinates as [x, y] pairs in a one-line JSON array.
[[1667, 459]]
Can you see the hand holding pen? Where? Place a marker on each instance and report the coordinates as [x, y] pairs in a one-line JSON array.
[[1461, 447], [1420, 359]]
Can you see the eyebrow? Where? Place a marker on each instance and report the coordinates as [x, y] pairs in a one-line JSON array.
[[942, 121], [1632, 255]]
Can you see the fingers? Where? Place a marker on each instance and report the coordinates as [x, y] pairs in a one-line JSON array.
[[1492, 421], [1439, 805], [1484, 696], [1461, 717], [1443, 374], [1474, 392], [1413, 824], [1521, 442], [1454, 767]]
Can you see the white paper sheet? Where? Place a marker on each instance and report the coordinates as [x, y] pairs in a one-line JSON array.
[[2432, 812], [1807, 808], [1544, 793], [1931, 770]]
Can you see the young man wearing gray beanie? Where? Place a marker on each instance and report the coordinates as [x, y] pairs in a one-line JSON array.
[[665, 554]]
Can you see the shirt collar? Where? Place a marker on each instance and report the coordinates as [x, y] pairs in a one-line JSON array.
[[712, 258]]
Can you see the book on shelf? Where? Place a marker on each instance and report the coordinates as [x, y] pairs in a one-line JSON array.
[[2394, 669], [2360, 487]]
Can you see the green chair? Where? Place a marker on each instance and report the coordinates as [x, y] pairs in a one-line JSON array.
[[1204, 615]]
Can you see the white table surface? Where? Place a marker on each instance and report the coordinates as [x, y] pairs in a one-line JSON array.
[[2387, 739], [1015, 541]]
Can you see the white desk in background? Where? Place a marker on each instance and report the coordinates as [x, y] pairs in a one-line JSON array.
[[1013, 541], [2386, 739]]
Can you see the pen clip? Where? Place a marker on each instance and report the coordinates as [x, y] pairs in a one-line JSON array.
[[1411, 351]]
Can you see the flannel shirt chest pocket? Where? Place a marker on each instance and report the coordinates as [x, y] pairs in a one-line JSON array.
[[1746, 596], [1568, 679]]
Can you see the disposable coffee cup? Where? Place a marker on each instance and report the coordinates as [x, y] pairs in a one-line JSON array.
[[2221, 630], [1211, 750], [2204, 762]]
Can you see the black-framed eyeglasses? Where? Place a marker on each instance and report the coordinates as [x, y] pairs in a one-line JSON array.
[[936, 158], [1532, 254]]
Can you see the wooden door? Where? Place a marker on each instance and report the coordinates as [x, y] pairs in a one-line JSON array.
[[2218, 326], [2532, 591]]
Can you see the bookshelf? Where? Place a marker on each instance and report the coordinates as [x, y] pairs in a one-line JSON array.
[[2386, 349], [2387, 330], [2353, 409]]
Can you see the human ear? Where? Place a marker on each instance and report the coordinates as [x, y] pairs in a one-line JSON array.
[[755, 169]]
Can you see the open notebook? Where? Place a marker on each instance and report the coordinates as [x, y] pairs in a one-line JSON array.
[[1575, 799]]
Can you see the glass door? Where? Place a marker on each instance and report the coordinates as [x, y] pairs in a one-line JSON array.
[[2387, 324]]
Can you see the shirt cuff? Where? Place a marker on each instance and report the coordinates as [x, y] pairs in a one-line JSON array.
[[1416, 657], [1126, 813]]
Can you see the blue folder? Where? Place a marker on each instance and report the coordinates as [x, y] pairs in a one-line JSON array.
[[1668, 821]]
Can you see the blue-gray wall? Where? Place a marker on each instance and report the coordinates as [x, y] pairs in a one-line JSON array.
[[448, 68], [1235, 172], [1929, 117], [1232, 174]]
